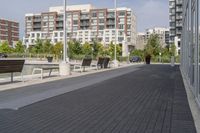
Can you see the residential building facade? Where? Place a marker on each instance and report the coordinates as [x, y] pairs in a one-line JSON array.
[[142, 38], [163, 34], [85, 23], [175, 21], [141, 41], [9, 31]]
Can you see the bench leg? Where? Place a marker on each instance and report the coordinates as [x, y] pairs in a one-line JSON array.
[[11, 77], [50, 72], [41, 74], [22, 77]]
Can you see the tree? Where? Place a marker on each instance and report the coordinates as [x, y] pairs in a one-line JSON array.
[[39, 46], [97, 49], [58, 49], [87, 49], [172, 50], [19, 48], [112, 50], [137, 52], [5, 48], [153, 47], [47, 47], [74, 48]]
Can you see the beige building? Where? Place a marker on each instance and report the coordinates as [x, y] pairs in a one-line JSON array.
[[142, 38], [85, 23], [141, 41]]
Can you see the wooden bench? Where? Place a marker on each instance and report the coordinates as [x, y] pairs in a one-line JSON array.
[[11, 66], [86, 62], [41, 69]]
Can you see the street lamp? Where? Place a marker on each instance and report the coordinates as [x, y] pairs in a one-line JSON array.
[[115, 53], [65, 33], [64, 66]]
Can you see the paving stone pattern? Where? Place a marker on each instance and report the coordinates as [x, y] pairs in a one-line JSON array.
[[149, 100]]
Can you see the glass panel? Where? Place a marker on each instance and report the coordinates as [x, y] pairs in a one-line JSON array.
[[199, 51]]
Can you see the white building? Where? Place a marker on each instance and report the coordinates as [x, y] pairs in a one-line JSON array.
[[143, 37], [85, 23]]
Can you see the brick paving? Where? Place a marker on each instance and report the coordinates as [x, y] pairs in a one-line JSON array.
[[149, 100]]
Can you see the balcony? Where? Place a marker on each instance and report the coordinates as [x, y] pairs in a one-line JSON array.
[[111, 16], [179, 2], [179, 17], [179, 24], [37, 26], [179, 10], [85, 17], [111, 23], [36, 20], [84, 24]]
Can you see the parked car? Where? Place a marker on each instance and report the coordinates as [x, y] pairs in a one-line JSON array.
[[2, 55], [135, 59]]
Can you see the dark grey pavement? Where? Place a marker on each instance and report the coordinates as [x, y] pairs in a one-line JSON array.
[[151, 99]]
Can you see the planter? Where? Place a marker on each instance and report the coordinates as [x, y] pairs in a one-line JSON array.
[[148, 59], [49, 59]]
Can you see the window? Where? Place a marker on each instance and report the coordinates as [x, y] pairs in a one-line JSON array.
[[75, 28], [179, 44], [128, 26], [94, 14], [61, 34], [94, 21], [101, 14], [44, 23], [94, 27], [56, 34], [121, 33], [75, 22], [101, 27], [101, 20], [120, 39], [122, 13], [121, 26], [32, 35], [121, 20]]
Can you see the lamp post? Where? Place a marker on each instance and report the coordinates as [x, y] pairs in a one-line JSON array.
[[64, 30], [64, 66], [115, 53]]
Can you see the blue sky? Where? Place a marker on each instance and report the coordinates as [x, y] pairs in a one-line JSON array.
[[150, 13]]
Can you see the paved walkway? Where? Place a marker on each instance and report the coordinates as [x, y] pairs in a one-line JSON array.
[[149, 99]]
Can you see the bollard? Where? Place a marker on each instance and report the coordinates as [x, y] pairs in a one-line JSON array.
[[172, 61]]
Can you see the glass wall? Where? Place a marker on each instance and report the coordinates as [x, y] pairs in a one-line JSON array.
[[190, 50]]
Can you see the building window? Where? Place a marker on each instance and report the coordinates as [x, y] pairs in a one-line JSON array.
[[101, 27], [56, 34], [101, 14], [122, 13], [94, 14], [101, 20], [179, 44], [120, 39], [128, 26], [121, 26], [75, 22]]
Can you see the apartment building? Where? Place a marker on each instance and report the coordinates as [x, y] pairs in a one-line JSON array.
[[85, 23], [143, 37], [175, 19], [141, 41], [9, 31], [163, 34]]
